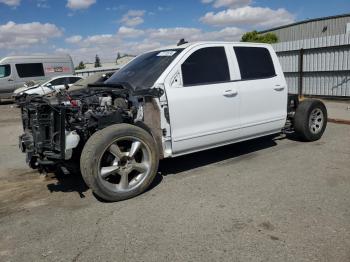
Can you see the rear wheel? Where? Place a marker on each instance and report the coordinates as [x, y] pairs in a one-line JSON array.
[[119, 162], [310, 120]]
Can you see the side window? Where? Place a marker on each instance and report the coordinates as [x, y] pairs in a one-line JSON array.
[[72, 80], [254, 62], [58, 81], [30, 70], [205, 66], [5, 70]]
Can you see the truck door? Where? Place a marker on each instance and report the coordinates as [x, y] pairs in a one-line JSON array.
[[203, 101], [263, 91]]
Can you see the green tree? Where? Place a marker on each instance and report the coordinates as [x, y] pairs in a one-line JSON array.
[[80, 66], [97, 61], [254, 36]]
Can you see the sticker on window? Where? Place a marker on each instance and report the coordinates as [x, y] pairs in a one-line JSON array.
[[166, 53]]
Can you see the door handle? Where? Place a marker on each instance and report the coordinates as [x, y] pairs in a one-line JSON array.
[[279, 87], [230, 93], [10, 80]]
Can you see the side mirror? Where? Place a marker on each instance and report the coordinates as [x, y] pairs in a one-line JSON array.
[[66, 86], [48, 84]]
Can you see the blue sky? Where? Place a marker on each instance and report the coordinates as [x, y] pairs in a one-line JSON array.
[[84, 28]]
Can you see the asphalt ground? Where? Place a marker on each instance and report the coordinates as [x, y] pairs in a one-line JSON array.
[[269, 199]]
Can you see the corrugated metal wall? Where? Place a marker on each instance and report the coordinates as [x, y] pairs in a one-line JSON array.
[[326, 65], [312, 29]]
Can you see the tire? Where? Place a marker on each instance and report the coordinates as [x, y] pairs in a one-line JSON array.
[[310, 120], [119, 162]]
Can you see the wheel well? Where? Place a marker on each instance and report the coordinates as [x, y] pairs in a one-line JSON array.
[[157, 139]]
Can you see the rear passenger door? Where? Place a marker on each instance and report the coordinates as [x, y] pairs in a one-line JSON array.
[[263, 91]]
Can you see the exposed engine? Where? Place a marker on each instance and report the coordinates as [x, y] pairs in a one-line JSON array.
[[58, 126]]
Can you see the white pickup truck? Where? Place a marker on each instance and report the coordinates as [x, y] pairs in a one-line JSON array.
[[165, 103]]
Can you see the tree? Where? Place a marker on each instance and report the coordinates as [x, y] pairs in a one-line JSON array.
[[80, 66], [254, 36], [97, 61]]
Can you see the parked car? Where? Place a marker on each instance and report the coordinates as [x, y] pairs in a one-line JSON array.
[[98, 77], [15, 71], [166, 103], [47, 86]]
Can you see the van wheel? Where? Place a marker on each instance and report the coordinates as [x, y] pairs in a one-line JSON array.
[[310, 120], [119, 162]]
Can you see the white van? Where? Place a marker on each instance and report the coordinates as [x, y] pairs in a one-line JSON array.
[[15, 71]]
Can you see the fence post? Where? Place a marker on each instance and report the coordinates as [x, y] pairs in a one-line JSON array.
[[301, 72]]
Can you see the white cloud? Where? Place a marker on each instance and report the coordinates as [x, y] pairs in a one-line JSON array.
[[13, 36], [107, 45], [42, 4], [133, 18], [226, 34], [99, 39], [135, 13], [229, 3], [172, 35], [74, 39], [162, 8], [80, 4], [251, 16], [13, 3], [129, 32]]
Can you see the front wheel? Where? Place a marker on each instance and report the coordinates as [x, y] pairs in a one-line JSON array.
[[310, 120], [119, 162]]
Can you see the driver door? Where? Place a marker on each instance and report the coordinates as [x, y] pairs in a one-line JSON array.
[[203, 101]]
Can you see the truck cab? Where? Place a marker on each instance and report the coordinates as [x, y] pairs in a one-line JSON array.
[[219, 93], [165, 103]]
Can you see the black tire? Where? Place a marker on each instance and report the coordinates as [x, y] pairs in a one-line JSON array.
[[99, 145], [306, 126]]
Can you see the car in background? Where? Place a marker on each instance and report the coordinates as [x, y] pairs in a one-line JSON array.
[[15, 71], [98, 77], [47, 86]]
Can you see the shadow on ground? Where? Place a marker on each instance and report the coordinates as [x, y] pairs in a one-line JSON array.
[[68, 182], [207, 157], [6, 102], [74, 182]]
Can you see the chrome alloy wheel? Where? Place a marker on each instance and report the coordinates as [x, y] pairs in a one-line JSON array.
[[316, 121], [124, 164]]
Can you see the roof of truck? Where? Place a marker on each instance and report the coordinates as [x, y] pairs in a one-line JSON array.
[[207, 42]]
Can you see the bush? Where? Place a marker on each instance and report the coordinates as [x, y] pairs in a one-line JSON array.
[[254, 36]]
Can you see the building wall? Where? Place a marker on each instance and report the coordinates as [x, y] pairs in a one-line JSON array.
[[326, 65], [313, 29]]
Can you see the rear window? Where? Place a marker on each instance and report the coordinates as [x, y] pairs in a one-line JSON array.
[[30, 70], [72, 80], [59, 81], [254, 62]]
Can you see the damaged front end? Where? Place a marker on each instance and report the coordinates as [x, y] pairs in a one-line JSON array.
[[57, 127]]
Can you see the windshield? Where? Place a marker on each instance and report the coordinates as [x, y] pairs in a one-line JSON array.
[[144, 70]]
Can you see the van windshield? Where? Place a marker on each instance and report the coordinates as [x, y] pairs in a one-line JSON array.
[[5, 70], [144, 70]]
